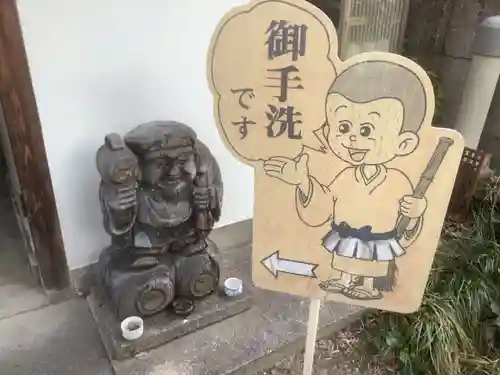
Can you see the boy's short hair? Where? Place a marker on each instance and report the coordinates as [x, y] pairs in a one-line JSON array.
[[371, 80]]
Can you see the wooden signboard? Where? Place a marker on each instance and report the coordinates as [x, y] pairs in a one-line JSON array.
[[351, 181]]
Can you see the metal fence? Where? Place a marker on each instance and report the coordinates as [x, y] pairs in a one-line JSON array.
[[372, 25]]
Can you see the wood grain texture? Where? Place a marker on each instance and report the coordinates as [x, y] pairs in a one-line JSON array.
[[357, 220], [25, 133]]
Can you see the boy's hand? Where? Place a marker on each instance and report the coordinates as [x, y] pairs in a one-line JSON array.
[[412, 207], [293, 172]]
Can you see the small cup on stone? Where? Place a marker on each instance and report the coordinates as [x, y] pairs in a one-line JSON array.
[[132, 328], [233, 287]]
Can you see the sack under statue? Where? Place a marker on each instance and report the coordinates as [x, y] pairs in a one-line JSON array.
[[160, 195]]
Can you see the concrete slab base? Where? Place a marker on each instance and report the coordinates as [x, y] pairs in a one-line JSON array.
[[246, 343], [165, 327]]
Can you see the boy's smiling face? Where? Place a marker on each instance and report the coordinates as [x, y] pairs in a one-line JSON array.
[[367, 133]]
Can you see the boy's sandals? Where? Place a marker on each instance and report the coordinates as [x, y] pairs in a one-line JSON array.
[[332, 286], [361, 294]]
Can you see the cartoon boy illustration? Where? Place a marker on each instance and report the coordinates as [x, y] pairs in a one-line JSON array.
[[374, 110]]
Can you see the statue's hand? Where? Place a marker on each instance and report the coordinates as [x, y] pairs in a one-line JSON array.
[[201, 196], [204, 222], [126, 198], [293, 172]]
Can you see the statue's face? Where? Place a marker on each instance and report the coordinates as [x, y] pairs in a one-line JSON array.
[[169, 162], [179, 159]]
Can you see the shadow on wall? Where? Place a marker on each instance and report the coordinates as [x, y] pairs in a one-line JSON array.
[[83, 217]]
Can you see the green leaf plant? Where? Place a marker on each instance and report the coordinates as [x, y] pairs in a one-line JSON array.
[[457, 329]]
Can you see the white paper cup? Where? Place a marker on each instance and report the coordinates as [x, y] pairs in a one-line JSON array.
[[132, 328], [233, 287]]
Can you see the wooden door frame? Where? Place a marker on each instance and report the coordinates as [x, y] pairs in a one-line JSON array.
[[25, 135]]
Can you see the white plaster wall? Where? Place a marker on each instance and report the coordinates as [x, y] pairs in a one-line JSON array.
[[101, 66]]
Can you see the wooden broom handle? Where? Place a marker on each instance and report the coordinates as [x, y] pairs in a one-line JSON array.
[[427, 177]]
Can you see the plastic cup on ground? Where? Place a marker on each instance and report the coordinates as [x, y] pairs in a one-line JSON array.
[[132, 328]]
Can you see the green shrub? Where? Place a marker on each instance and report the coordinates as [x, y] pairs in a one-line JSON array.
[[456, 330]]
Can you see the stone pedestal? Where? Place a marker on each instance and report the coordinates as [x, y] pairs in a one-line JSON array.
[[166, 326]]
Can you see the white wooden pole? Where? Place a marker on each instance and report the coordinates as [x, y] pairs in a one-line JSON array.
[[477, 97], [481, 82], [312, 330]]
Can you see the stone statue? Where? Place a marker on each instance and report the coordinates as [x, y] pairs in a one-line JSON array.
[[160, 195]]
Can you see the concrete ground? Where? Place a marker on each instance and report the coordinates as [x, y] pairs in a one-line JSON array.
[[39, 338], [242, 345], [54, 340], [62, 339], [19, 290], [274, 327]]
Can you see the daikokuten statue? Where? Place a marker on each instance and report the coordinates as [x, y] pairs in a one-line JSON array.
[[160, 194]]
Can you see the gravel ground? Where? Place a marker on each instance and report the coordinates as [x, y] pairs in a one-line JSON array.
[[339, 355]]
